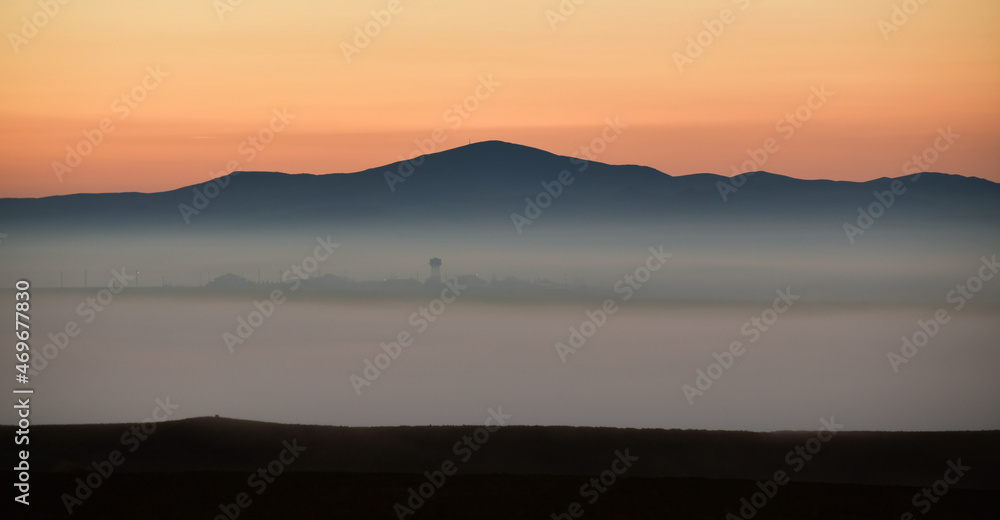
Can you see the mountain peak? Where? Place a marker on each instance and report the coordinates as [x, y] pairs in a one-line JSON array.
[[489, 150]]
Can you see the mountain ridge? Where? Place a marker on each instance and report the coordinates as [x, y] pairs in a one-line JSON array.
[[389, 167], [490, 181]]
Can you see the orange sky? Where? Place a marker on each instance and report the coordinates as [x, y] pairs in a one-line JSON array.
[[556, 81]]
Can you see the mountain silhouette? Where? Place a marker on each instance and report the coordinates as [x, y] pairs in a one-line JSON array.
[[487, 182]]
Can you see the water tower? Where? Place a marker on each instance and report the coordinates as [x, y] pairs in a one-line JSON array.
[[435, 270]]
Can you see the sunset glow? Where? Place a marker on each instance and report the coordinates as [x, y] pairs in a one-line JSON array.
[[201, 77]]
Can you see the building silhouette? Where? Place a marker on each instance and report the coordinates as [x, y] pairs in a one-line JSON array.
[[435, 271]]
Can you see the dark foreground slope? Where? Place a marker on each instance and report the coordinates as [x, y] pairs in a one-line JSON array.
[[199, 468]]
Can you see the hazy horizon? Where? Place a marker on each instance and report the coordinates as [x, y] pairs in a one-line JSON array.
[[827, 356], [503, 354]]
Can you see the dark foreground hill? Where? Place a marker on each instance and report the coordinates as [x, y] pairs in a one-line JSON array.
[[202, 468]]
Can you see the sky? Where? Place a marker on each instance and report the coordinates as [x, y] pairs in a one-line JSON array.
[[149, 96]]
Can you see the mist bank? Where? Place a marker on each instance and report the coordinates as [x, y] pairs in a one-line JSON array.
[[636, 364], [892, 261]]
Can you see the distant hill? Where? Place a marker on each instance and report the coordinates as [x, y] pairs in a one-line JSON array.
[[486, 182]]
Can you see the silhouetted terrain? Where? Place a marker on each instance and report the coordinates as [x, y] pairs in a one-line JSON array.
[[485, 182], [188, 468]]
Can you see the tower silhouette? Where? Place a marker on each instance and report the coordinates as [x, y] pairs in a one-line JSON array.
[[435, 271]]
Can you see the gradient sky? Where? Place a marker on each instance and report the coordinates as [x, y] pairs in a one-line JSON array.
[[557, 85]]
